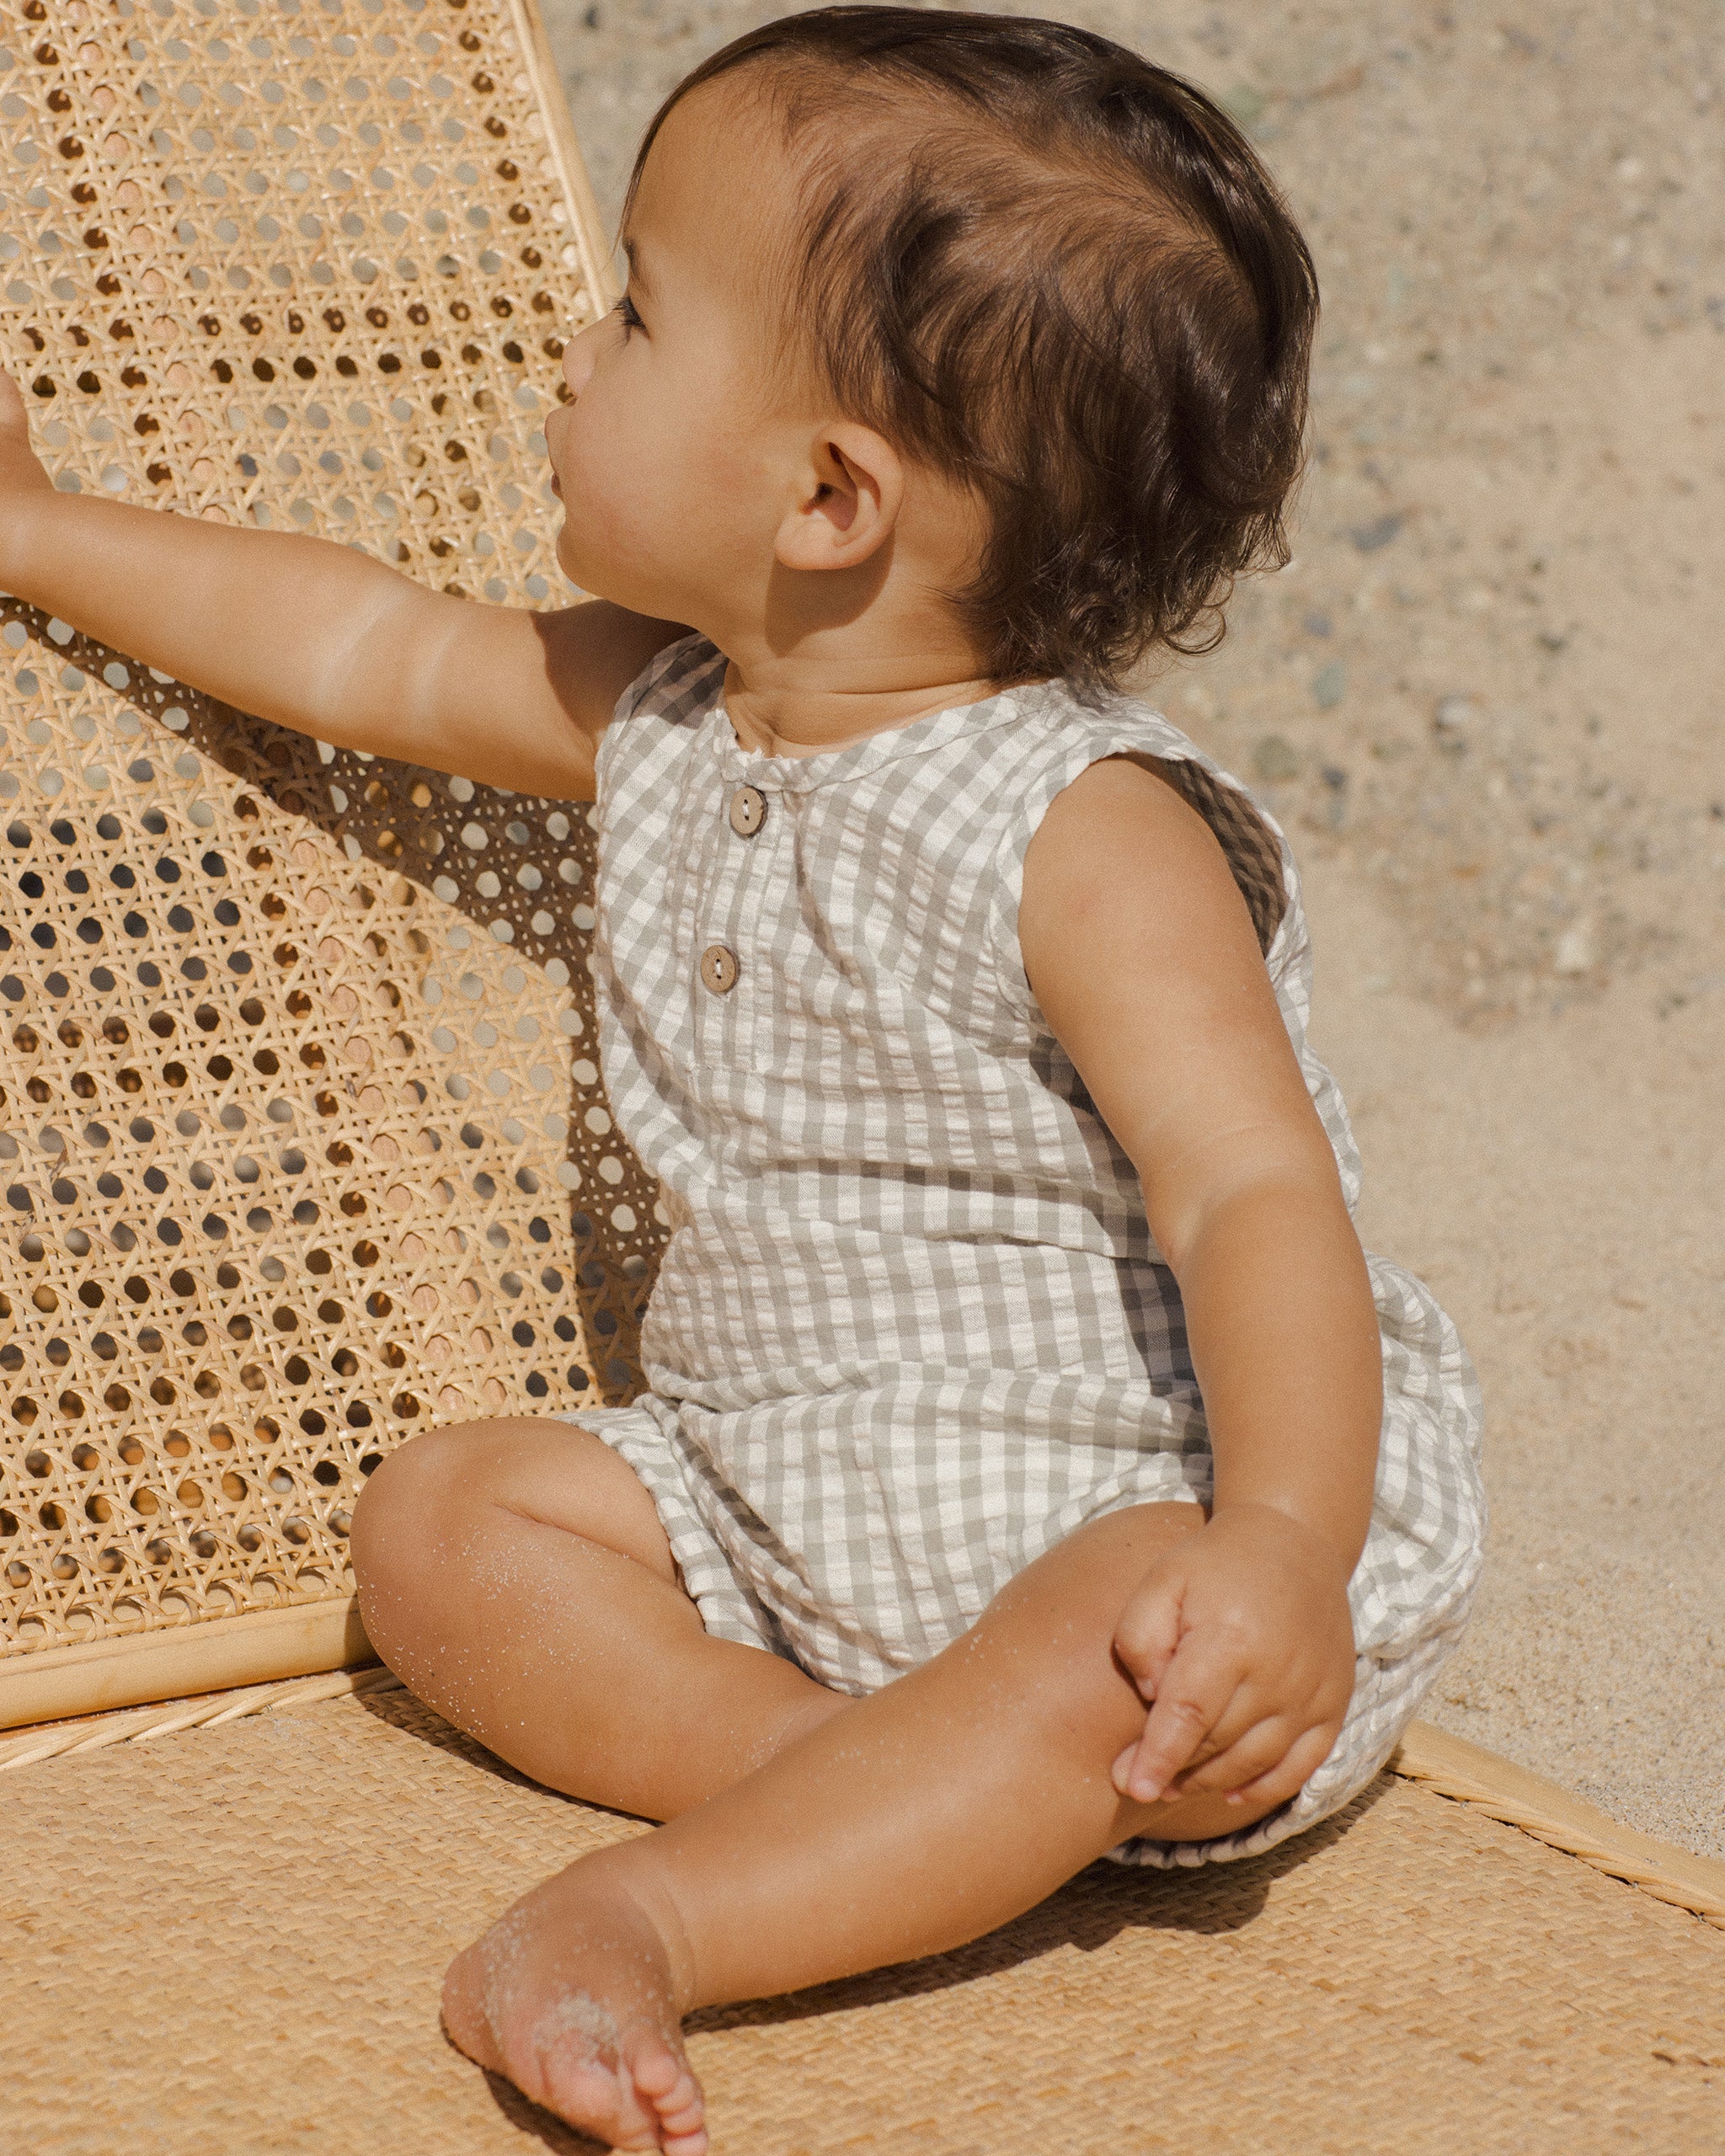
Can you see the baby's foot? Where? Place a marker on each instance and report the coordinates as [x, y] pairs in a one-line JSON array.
[[572, 1994]]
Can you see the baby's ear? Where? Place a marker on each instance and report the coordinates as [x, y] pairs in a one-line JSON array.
[[848, 497]]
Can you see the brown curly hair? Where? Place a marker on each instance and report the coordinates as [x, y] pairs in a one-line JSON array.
[[1058, 274]]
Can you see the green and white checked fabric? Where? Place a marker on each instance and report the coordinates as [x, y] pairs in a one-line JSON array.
[[911, 1329]]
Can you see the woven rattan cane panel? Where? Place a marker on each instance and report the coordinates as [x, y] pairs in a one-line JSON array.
[[1414, 1978], [304, 1145]]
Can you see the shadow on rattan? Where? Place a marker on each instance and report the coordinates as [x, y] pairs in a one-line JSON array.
[[313, 1150], [302, 1145]]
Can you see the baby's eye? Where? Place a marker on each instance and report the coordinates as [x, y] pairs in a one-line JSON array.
[[625, 311]]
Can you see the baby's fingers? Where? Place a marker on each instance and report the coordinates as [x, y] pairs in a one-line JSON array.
[[1148, 1635], [19, 466], [1191, 1699], [1238, 1756], [1286, 1772], [14, 421]]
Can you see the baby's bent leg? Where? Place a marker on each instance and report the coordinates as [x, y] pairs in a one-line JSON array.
[[909, 1821], [942, 1805], [515, 1574]]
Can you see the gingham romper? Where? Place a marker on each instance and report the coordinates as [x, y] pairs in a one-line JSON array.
[[911, 1329]]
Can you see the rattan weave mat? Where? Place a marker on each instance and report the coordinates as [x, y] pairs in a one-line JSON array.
[[230, 1941]]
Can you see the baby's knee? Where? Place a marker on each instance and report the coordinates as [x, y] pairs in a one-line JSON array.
[[1054, 1623], [1075, 1591], [409, 1503]]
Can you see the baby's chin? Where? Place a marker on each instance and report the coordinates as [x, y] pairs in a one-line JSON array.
[[596, 573], [584, 567]]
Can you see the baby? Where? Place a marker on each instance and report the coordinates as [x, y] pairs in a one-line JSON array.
[[1033, 1466]]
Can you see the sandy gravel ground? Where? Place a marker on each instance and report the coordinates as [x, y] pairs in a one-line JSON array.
[[1486, 699]]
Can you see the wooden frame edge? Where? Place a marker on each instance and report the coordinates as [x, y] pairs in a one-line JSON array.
[[136, 1669], [1468, 1774], [572, 168]]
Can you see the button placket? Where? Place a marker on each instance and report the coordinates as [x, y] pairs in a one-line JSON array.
[[720, 968]]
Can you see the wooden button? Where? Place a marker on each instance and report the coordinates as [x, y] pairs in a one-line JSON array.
[[748, 811], [718, 968]]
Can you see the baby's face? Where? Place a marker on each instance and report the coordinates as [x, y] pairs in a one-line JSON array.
[[672, 460]]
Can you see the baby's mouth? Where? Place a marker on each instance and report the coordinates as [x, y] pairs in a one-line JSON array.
[[556, 484]]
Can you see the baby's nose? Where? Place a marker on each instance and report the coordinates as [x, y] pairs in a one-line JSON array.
[[578, 358]]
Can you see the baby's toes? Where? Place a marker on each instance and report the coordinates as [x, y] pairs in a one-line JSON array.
[[464, 2014], [685, 2140], [664, 2079], [587, 2094]]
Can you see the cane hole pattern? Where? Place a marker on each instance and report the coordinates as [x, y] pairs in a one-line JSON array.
[[306, 264], [302, 1145]]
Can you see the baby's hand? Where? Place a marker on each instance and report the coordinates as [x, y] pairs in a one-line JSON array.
[[21, 470], [1241, 1635]]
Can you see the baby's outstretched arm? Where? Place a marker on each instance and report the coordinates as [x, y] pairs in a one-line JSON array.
[[1145, 962], [319, 637]]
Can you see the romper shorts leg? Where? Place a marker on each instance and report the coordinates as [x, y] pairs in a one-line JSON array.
[[641, 1434]]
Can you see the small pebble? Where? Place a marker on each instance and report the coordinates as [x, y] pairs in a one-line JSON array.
[[1575, 949], [1331, 686], [1369, 537], [1274, 759]]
